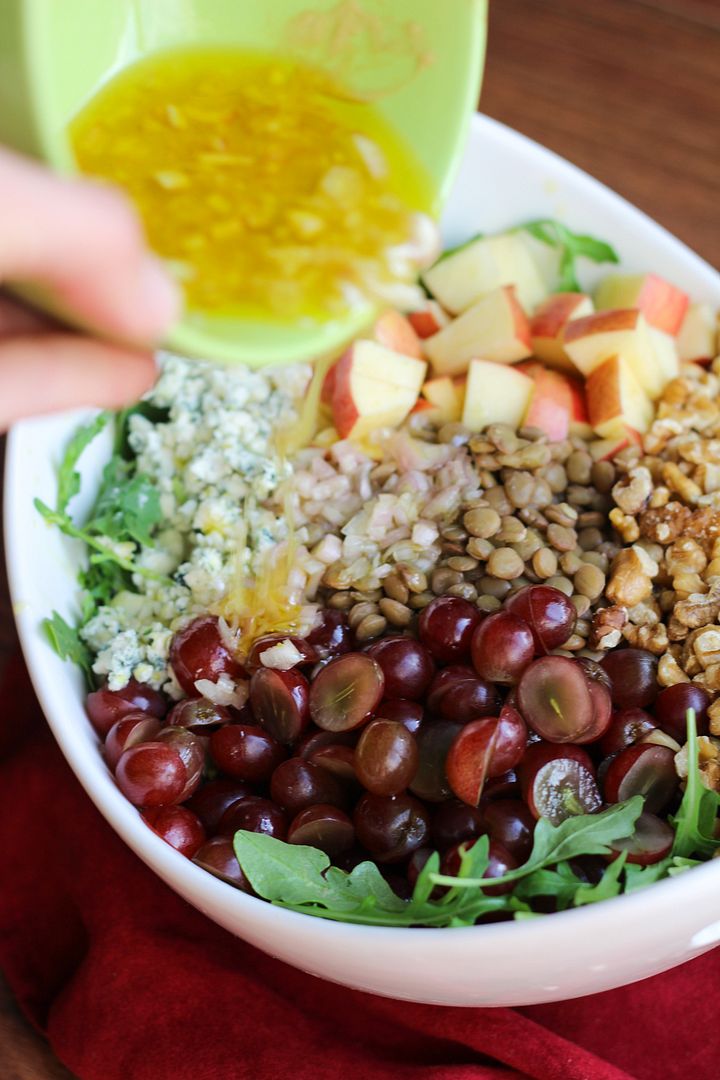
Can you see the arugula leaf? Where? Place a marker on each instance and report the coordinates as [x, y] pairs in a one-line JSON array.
[[695, 820], [608, 886], [156, 414], [66, 642], [68, 476], [296, 875], [571, 246], [560, 882], [587, 834], [128, 504]]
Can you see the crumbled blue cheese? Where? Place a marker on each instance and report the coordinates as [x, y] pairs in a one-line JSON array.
[[216, 467]]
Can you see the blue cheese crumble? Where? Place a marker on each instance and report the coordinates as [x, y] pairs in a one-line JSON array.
[[216, 467]]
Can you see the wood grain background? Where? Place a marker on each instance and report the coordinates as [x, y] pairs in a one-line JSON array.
[[627, 89]]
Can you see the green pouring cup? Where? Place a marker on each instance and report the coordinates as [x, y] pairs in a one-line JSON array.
[[421, 60]]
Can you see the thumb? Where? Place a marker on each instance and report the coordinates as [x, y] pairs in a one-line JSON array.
[[84, 243]]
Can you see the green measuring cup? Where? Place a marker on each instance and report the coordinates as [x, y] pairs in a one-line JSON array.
[[421, 60]]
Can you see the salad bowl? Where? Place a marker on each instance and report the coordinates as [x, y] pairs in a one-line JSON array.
[[505, 179]]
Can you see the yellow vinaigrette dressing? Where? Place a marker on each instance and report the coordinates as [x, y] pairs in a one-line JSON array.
[[270, 190]]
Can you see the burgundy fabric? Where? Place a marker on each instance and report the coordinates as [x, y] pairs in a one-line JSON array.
[[128, 981]]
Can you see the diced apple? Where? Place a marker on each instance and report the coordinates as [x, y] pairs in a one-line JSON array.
[[481, 266], [666, 354], [495, 394], [579, 420], [393, 331], [696, 336], [550, 405], [606, 449], [495, 328], [446, 395], [328, 387], [374, 388], [548, 325], [428, 319], [662, 304], [590, 341], [616, 400]]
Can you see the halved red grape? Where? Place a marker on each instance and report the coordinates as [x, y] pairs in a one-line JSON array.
[[483, 748], [192, 750], [296, 784], [307, 656], [254, 814], [602, 712], [151, 774], [198, 715], [434, 740], [104, 707], [391, 827], [554, 698], [211, 800], [217, 856], [446, 627], [643, 769], [132, 729], [199, 652], [386, 757], [177, 826], [672, 704], [324, 827], [408, 713], [594, 672], [459, 693], [547, 611], [510, 823], [453, 822], [633, 677], [346, 692], [500, 862], [559, 782], [246, 752], [332, 636], [339, 760], [502, 647], [279, 701], [406, 664], [627, 726], [651, 841]]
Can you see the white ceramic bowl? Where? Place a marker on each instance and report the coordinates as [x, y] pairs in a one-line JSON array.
[[505, 180]]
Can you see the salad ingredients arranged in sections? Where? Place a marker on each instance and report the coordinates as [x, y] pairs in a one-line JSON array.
[[457, 657]]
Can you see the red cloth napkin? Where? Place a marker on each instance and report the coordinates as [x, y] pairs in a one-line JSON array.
[[130, 983]]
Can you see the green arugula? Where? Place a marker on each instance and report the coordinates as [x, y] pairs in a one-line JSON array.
[[302, 879], [66, 642], [126, 511], [695, 820], [571, 246]]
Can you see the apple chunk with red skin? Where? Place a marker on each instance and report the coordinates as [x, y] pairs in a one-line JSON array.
[[495, 394], [590, 341], [394, 331], [551, 404], [606, 449], [374, 387], [547, 327], [495, 328], [579, 419], [662, 304], [616, 401], [428, 319]]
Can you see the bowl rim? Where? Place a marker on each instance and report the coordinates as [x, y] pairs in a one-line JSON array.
[[668, 894]]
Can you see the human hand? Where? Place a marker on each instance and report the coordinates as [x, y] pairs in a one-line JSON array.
[[84, 243]]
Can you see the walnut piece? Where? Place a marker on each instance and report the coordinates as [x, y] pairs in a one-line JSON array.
[[632, 493], [670, 673], [631, 577], [666, 523], [606, 628]]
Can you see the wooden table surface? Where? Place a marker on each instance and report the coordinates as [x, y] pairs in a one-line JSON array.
[[627, 89]]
